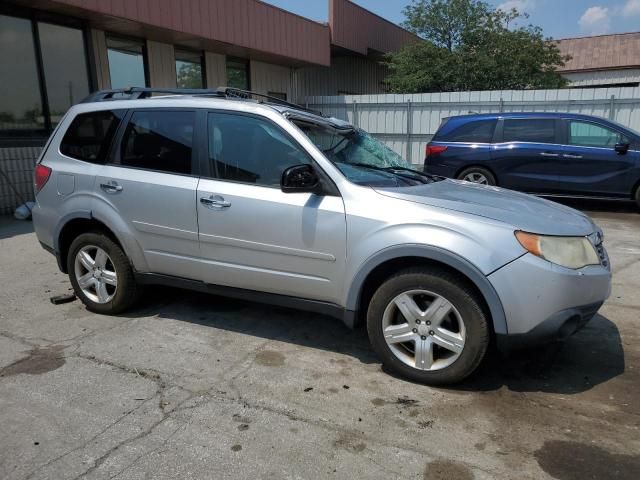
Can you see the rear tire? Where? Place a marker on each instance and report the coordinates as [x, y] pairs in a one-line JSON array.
[[448, 340], [478, 175], [101, 274], [637, 196]]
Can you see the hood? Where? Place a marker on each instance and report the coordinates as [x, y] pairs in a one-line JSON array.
[[522, 211]]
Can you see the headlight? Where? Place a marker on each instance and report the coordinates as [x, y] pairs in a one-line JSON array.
[[570, 252]]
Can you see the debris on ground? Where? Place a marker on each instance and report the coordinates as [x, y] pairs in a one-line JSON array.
[[64, 298]]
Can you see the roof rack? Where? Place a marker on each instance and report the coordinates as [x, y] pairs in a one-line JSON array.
[[133, 93]]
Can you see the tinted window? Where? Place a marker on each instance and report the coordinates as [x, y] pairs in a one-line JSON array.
[[126, 62], [65, 67], [250, 150], [159, 140], [480, 131], [89, 136], [530, 130], [592, 135], [238, 73], [20, 101], [189, 72]]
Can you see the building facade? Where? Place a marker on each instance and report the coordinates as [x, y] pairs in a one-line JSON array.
[[602, 61], [53, 53]]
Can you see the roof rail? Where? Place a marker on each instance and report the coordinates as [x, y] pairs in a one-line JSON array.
[[133, 93]]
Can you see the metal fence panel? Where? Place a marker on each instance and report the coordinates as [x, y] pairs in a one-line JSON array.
[[406, 123]]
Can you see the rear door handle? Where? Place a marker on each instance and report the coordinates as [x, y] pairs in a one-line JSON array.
[[215, 202], [111, 187], [570, 155], [549, 154]]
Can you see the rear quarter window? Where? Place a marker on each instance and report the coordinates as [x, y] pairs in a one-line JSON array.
[[478, 131], [90, 134]]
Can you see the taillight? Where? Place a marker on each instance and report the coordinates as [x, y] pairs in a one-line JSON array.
[[433, 150], [41, 175]]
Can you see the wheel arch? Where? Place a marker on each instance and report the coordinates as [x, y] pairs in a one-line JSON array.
[[78, 223], [378, 267]]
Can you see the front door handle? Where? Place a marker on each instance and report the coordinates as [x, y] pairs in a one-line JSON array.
[[549, 154], [570, 155], [111, 187], [215, 202]]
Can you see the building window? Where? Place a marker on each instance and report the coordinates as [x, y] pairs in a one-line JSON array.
[[65, 68], [127, 62], [39, 86], [238, 73], [189, 69]]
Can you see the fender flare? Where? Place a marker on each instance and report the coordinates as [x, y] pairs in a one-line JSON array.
[[439, 255]]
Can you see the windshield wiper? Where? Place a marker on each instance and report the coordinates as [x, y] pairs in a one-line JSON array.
[[394, 170], [434, 178]]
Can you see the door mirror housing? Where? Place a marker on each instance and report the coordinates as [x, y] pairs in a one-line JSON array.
[[622, 148], [300, 179]]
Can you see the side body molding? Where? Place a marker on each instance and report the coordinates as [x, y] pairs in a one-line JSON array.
[[439, 255]]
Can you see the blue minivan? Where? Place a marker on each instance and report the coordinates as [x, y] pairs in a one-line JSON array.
[[543, 153]]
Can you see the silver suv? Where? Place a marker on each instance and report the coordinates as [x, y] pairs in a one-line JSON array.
[[269, 202]]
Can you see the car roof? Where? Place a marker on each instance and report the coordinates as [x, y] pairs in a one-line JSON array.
[[210, 101], [491, 116]]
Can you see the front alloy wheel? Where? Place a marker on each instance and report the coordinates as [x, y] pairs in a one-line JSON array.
[[428, 324], [423, 330]]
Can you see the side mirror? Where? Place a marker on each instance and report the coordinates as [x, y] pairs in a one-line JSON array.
[[622, 148], [300, 179]]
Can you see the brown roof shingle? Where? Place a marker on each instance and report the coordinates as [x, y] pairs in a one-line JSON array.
[[602, 52]]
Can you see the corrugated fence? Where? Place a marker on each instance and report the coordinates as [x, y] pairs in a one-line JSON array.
[[407, 122]]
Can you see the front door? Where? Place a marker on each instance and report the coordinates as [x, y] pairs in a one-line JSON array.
[[590, 164], [150, 186], [252, 235]]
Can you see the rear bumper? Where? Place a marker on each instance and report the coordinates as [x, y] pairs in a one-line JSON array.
[[441, 170], [545, 302]]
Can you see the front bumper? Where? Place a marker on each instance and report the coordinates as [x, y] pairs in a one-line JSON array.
[[545, 302]]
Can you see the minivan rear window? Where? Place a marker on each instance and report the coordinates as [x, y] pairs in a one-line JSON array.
[[479, 131], [534, 130], [90, 134]]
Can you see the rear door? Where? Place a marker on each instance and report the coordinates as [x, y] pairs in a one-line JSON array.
[[150, 184], [527, 154], [254, 236], [590, 164]]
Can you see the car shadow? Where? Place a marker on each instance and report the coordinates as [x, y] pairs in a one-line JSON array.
[[591, 357], [10, 227]]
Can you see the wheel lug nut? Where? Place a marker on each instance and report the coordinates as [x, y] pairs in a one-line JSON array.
[[418, 322], [415, 330], [423, 337], [431, 332], [428, 322]]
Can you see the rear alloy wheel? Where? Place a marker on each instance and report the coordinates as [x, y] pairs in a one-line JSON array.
[[427, 325], [478, 175], [101, 274]]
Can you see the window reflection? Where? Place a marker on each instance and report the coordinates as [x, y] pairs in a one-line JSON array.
[[20, 100], [126, 62], [189, 71]]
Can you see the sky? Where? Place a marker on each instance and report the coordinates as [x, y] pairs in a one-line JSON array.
[[558, 18]]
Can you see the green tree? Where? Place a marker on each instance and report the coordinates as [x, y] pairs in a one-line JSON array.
[[189, 75], [469, 45]]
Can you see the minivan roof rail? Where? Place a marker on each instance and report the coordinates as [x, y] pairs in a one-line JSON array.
[[133, 93]]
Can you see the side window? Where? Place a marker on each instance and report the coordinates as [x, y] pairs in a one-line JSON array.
[[534, 130], [89, 136], [159, 140], [480, 131], [250, 150], [591, 135]]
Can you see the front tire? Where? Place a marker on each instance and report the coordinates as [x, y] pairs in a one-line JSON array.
[[101, 274], [428, 325]]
